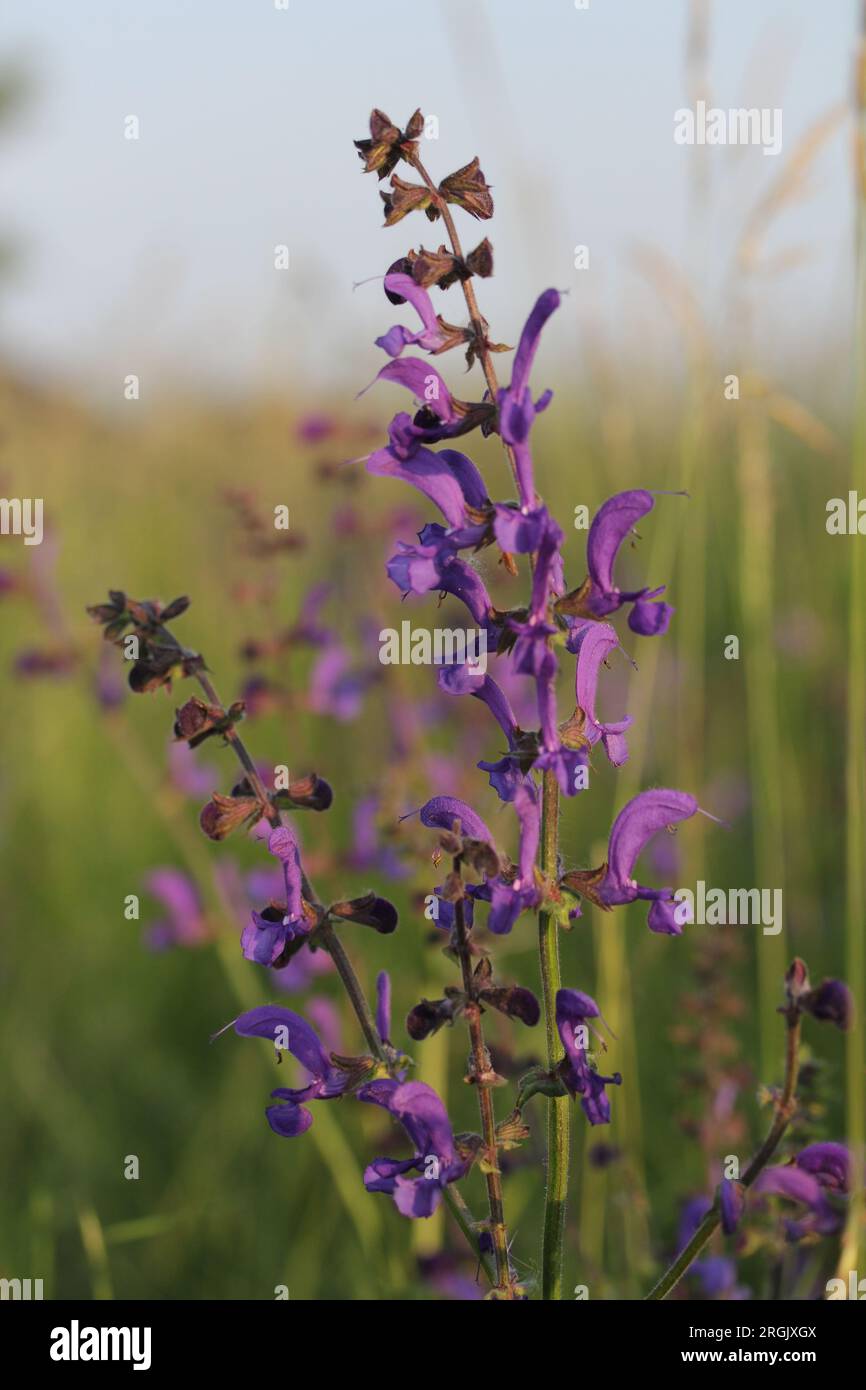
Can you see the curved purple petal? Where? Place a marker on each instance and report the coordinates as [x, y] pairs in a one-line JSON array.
[[440, 813], [268, 1021], [611, 524]]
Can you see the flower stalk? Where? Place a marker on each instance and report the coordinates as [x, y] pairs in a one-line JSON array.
[[483, 1077], [784, 1112], [558, 1107]]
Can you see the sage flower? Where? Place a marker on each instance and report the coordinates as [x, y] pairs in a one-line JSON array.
[[574, 1009], [435, 1159], [601, 595], [613, 884], [289, 1032], [268, 932], [593, 643]]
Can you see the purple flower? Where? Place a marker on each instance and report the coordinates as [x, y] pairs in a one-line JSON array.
[[817, 1170], [367, 851], [426, 385], [435, 1160], [447, 477], [613, 885], [443, 812], [509, 892], [336, 688], [573, 1010], [611, 524], [732, 1197], [593, 643], [418, 569], [555, 756], [289, 1032], [506, 774], [806, 1189], [517, 411], [510, 896], [430, 336], [185, 923], [717, 1273], [268, 933], [308, 628], [187, 774], [312, 429]]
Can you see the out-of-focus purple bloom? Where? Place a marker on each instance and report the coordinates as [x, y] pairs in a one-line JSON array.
[[184, 924], [573, 1011], [613, 884], [308, 627], [302, 971], [797, 1186], [383, 1005], [325, 1018], [192, 778], [313, 428], [517, 411], [367, 851], [611, 524], [429, 337], [717, 1273], [267, 934], [817, 1169], [443, 1273], [592, 643], [289, 1032], [829, 1162], [732, 1196], [336, 687], [435, 1160], [111, 690]]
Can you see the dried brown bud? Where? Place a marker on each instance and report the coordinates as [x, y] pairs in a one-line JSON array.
[[368, 911], [480, 261], [468, 189], [387, 144], [405, 198], [514, 1001], [431, 1015], [223, 814]]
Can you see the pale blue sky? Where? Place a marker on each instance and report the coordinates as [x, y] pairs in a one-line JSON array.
[[156, 256]]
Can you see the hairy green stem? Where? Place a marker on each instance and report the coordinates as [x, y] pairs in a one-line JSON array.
[[465, 1220], [352, 985], [558, 1108]]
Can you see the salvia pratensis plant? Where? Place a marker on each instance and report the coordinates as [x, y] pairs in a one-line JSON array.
[[552, 638]]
